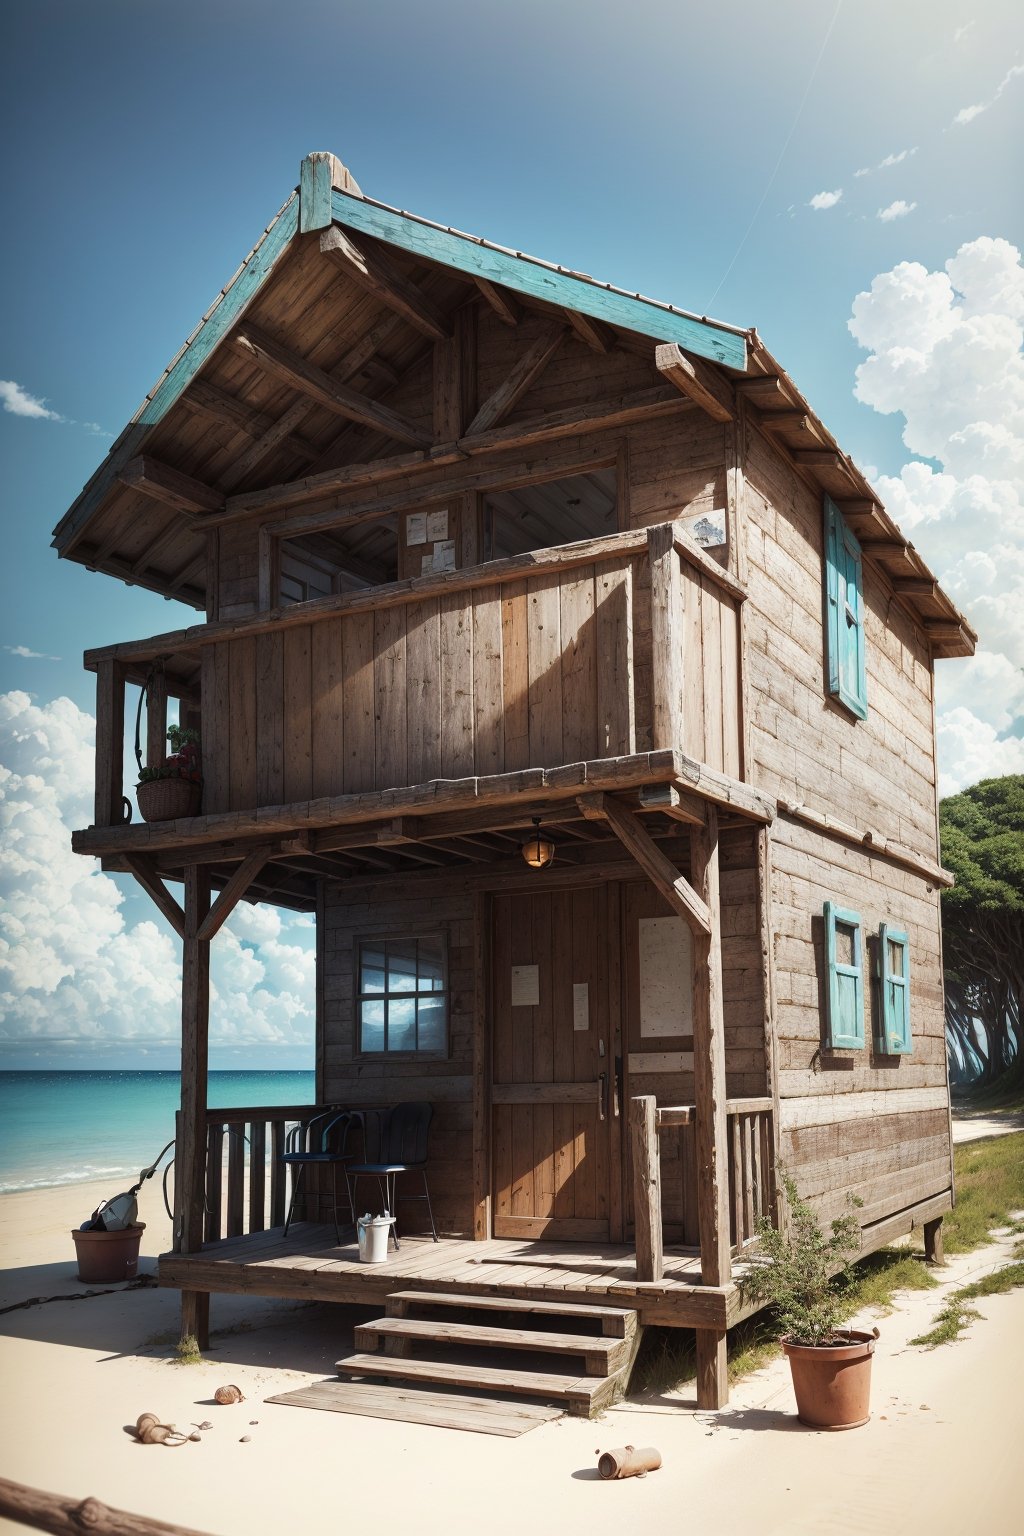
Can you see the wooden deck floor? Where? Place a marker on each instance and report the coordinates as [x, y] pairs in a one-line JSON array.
[[309, 1265]]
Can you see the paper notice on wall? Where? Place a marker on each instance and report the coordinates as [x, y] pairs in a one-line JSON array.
[[416, 528], [525, 986], [666, 977], [426, 564], [707, 529], [580, 1005], [437, 525], [444, 555]]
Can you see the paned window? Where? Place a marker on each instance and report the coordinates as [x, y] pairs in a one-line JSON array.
[[402, 996], [844, 614], [894, 986], [844, 958]]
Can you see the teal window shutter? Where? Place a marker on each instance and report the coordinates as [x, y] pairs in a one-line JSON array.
[[844, 613], [844, 954], [894, 987]]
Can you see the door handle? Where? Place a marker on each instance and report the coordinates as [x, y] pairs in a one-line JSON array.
[[602, 1091], [617, 1089]]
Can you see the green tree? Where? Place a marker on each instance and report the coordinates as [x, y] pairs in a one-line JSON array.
[[982, 832]]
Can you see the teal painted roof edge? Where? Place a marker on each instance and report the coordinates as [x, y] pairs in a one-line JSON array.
[[226, 308], [538, 279]]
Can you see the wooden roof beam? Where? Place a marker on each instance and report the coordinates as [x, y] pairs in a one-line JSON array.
[[376, 273], [316, 385], [232, 893], [145, 871], [699, 382], [500, 300], [660, 870], [529, 366], [598, 337], [169, 485]]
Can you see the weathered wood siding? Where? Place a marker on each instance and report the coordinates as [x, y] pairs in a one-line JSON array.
[[855, 1120], [878, 772]]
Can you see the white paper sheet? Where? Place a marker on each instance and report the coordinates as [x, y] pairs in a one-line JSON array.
[[525, 986], [666, 977], [580, 1005], [416, 528], [437, 525]]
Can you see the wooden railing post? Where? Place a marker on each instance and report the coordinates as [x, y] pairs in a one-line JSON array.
[[109, 744], [709, 1061], [156, 717], [192, 1141], [666, 638], [643, 1136]]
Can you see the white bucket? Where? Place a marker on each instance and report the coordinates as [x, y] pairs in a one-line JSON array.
[[373, 1233]]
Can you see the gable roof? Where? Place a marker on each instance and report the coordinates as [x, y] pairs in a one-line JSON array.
[[102, 527]]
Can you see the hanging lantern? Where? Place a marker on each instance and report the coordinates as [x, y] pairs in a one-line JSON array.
[[538, 850]]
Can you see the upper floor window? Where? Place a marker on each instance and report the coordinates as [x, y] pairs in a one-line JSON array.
[[844, 959], [844, 613], [402, 996]]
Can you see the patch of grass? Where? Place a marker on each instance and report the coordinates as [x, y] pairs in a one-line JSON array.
[[952, 1319], [668, 1356], [186, 1351], [989, 1185]]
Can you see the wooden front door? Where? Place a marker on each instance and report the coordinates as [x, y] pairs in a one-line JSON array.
[[555, 973]]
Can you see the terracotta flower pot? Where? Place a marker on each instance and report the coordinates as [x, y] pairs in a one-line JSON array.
[[108, 1256], [832, 1382], [168, 799]]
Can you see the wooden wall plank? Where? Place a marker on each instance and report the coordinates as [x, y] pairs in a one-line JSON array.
[[544, 648], [488, 731], [270, 712], [579, 667], [613, 615], [243, 724], [389, 674], [328, 683], [298, 715], [515, 671], [360, 695], [456, 625], [423, 691]]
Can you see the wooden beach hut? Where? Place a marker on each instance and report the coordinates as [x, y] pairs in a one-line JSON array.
[[485, 551]]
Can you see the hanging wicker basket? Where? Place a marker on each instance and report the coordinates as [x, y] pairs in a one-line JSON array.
[[168, 799]]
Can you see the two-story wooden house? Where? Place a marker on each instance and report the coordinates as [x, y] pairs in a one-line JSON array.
[[489, 554]]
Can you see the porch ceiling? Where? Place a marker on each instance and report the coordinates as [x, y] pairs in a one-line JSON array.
[[456, 832]]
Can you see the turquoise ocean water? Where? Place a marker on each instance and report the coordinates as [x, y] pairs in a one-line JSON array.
[[70, 1127]]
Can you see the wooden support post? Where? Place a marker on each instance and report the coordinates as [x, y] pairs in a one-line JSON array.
[[190, 1156], [709, 1061], [643, 1137], [481, 1069], [109, 744], [712, 1369], [933, 1241], [667, 639], [156, 717]]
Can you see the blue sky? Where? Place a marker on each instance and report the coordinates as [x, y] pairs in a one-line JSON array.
[[675, 149]]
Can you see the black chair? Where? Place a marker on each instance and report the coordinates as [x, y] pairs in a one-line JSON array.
[[321, 1141], [395, 1142]]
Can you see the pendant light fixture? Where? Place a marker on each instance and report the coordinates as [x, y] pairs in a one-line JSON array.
[[538, 850]]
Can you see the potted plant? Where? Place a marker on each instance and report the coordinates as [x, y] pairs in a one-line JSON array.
[[800, 1272], [174, 787]]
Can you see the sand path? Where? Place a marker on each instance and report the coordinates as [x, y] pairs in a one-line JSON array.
[[940, 1455]]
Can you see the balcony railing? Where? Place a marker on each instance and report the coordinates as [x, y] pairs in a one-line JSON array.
[[593, 650]]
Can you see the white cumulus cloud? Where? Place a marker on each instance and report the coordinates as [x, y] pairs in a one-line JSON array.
[[73, 971], [18, 402], [945, 352], [822, 200], [897, 210], [27, 653]]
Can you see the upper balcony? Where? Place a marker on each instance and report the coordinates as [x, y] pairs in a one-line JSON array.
[[429, 693]]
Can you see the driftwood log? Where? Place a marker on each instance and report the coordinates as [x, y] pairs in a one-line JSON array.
[[628, 1461], [71, 1517]]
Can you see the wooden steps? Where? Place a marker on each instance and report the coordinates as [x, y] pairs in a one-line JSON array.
[[411, 1404], [583, 1365]]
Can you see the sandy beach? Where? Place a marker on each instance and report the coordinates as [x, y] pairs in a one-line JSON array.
[[939, 1455]]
